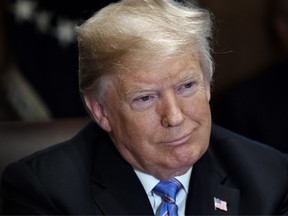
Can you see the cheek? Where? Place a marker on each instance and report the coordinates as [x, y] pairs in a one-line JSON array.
[[136, 127], [198, 108], [141, 126], [135, 136]]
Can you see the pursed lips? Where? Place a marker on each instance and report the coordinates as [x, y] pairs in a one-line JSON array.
[[178, 141]]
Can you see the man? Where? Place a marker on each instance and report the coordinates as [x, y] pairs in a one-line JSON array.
[[145, 70]]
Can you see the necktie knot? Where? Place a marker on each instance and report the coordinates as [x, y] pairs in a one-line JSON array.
[[167, 190]]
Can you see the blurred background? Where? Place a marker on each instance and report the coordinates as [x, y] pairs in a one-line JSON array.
[[38, 63]]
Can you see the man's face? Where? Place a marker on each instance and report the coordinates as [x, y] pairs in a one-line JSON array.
[[158, 116]]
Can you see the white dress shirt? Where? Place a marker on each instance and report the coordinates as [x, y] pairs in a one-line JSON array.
[[149, 182]]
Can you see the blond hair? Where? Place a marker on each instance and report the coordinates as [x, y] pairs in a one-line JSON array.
[[141, 29]]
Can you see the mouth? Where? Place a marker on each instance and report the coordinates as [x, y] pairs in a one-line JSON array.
[[178, 141]]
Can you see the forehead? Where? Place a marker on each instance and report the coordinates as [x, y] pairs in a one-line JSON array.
[[157, 73]]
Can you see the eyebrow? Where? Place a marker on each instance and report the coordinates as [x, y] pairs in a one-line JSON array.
[[137, 90], [187, 75], [183, 77]]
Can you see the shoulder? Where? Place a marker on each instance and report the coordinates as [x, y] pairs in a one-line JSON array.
[[77, 147], [64, 161], [225, 141], [228, 139], [61, 172], [51, 157], [248, 158]]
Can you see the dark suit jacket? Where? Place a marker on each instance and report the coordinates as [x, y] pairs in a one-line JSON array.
[[86, 175]]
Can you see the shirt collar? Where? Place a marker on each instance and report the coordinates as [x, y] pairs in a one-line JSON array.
[[149, 181]]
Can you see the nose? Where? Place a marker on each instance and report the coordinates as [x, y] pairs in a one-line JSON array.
[[172, 114]]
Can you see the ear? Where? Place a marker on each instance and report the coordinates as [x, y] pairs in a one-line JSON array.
[[97, 110]]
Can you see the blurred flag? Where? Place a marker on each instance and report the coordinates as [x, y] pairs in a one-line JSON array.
[[220, 204]]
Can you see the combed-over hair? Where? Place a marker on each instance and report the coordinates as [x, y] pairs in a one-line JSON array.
[[141, 29]]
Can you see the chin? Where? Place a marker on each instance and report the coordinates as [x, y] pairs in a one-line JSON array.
[[187, 158]]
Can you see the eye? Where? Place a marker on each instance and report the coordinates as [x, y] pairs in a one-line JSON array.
[[144, 98], [187, 89], [188, 85], [143, 102]]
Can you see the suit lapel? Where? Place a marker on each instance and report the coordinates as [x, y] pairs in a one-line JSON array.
[[116, 188], [208, 182], [124, 197]]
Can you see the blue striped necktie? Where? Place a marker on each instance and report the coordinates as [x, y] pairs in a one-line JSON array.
[[168, 190]]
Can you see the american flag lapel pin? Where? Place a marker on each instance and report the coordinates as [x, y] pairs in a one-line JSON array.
[[220, 204]]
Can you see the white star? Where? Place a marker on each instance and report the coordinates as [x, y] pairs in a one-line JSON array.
[[64, 32], [24, 10], [42, 20]]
